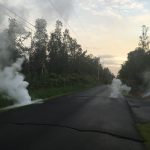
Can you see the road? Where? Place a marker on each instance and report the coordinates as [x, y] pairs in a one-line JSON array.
[[141, 109], [88, 120]]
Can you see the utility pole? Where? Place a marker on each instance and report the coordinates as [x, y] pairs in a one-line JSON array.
[[98, 71], [144, 39]]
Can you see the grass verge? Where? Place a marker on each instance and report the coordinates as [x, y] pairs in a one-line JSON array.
[[145, 132], [51, 92], [48, 92], [5, 102]]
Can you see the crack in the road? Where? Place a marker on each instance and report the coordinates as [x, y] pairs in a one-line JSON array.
[[79, 130]]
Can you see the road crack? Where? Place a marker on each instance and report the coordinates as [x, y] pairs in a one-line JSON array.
[[79, 130]]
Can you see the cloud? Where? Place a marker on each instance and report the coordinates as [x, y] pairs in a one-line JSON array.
[[108, 12], [107, 56], [33, 9], [124, 4], [141, 19], [110, 60], [114, 8]]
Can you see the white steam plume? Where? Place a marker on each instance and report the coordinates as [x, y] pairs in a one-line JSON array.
[[12, 83], [147, 81], [118, 89]]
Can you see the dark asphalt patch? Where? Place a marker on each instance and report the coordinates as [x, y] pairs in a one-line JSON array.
[[55, 138], [140, 109]]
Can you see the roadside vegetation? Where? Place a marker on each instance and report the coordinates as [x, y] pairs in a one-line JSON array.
[[49, 92], [135, 72], [144, 129], [55, 63], [52, 92], [58, 59], [5, 101]]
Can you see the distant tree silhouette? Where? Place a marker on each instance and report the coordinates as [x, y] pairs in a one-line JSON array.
[[144, 41], [138, 63], [39, 44]]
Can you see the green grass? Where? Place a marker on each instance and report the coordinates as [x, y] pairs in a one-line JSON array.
[[145, 132], [42, 93], [48, 92], [5, 102]]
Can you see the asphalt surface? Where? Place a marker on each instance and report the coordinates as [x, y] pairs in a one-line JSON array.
[[88, 120], [141, 109]]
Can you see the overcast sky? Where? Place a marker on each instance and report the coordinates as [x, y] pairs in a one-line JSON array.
[[106, 28]]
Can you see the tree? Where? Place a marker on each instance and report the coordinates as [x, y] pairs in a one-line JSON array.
[[144, 42], [38, 56], [55, 48], [133, 69], [11, 42], [138, 62]]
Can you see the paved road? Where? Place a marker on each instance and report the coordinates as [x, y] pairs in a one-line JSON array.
[[141, 109], [85, 121]]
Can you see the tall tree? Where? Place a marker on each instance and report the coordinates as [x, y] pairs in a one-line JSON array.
[[38, 56], [144, 42], [133, 69], [55, 49]]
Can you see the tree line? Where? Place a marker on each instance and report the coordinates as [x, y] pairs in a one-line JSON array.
[[135, 72], [56, 59]]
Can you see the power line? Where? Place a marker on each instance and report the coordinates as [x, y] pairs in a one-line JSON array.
[[55, 8], [50, 2], [81, 24], [20, 22], [24, 20], [17, 15]]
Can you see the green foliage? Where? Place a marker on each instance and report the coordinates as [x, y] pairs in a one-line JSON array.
[[145, 132], [5, 102], [133, 70], [53, 62], [58, 80], [51, 92], [37, 61], [62, 56]]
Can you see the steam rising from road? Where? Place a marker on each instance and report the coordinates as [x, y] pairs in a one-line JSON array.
[[12, 84], [118, 90], [147, 81]]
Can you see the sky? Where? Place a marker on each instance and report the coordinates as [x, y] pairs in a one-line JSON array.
[[109, 29]]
